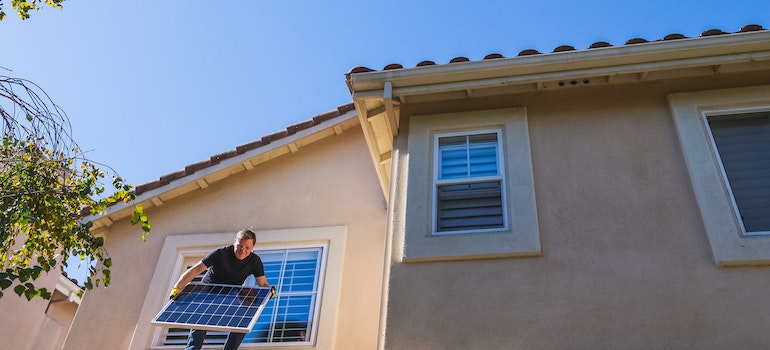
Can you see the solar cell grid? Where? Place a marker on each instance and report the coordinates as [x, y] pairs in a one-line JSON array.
[[214, 307]]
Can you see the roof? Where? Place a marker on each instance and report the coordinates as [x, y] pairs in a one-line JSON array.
[[238, 150], [243, 157], [564, 48]]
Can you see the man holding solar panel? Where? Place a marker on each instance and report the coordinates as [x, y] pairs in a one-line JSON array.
[[227, 265]]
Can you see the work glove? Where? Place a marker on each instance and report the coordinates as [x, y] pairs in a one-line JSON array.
[[272, 292], [174, 293]]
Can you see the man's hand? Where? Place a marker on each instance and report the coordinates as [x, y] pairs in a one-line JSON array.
[[272, 292], [174, 293]]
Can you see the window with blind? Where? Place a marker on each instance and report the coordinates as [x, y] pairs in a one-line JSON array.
[[469, 182], [742, 143], [290, 316], [724, 140]]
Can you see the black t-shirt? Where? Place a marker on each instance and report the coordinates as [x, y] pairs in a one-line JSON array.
[[225, 268]]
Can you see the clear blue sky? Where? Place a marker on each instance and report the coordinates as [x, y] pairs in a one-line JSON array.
[[153, 86], [150, 87]]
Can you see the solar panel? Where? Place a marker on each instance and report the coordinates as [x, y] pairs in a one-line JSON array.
[[214, 307]]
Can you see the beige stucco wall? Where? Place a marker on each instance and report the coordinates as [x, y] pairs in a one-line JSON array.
[[626, 262], [35, 324], [328, 184]]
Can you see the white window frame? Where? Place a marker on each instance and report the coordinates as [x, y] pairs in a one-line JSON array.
[[729, 245], [414, 197], [179, 248], [438, 182]]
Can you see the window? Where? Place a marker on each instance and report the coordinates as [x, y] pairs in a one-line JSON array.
[[724, 140], [321, 250], [742, 142], [466, 190], [295, 272], [469, 183], [290, 316]]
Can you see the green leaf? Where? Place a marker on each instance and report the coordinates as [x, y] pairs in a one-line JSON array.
[[19, 289]]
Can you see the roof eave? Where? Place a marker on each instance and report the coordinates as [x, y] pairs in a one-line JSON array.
[[246, 161], [650, 56]]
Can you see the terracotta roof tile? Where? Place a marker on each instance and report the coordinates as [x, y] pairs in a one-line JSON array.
[[345, 108], [172, 176], [426, 63], [217, 158], [674, 37], [751, 28], [633, 41], [528, 52], [564, 48], [274, 136], [712, 32], [292, 129], [459, 59], [249, 146], [191, 168], [599, 44], [393, 66]]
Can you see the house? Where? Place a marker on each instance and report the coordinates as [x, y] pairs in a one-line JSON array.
[[310, 194], [577, 199], [48, 319], [616, 197]]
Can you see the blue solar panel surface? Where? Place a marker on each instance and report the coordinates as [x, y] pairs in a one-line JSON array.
[[214, 307]]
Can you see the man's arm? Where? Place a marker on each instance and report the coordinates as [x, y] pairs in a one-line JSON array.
[[188, 276], [262, 281]]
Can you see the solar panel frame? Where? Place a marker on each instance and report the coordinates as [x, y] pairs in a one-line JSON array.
[[214, 307]]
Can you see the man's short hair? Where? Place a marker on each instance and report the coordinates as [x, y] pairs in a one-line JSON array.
[[246, 234]]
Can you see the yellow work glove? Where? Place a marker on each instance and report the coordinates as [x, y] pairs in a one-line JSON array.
[[272, 292], [174, 293]]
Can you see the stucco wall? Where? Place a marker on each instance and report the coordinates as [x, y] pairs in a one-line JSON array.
[[35, 324], [330, 183], [626, 262]]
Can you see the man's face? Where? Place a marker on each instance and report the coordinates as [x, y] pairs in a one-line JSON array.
[[242, 248]]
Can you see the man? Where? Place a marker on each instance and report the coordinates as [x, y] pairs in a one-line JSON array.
[[227, 265]]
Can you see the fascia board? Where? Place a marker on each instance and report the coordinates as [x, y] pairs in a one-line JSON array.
[[707, 50]]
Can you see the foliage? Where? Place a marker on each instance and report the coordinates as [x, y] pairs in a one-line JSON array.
[[46, 187], [22, 7]]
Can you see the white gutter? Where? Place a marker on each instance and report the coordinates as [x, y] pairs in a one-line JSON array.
[[645, 57]]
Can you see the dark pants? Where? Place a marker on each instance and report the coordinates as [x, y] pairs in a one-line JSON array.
[[197, 336]]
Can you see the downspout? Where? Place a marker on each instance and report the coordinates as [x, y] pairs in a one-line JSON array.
[[387, 96], [388, 257]]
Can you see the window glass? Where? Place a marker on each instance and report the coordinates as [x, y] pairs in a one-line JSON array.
[[742, 142], [468, 156], [288, 317], [469, 185]]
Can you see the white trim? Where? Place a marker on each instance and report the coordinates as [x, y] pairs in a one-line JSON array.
[[522, 235], [720, 220]]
